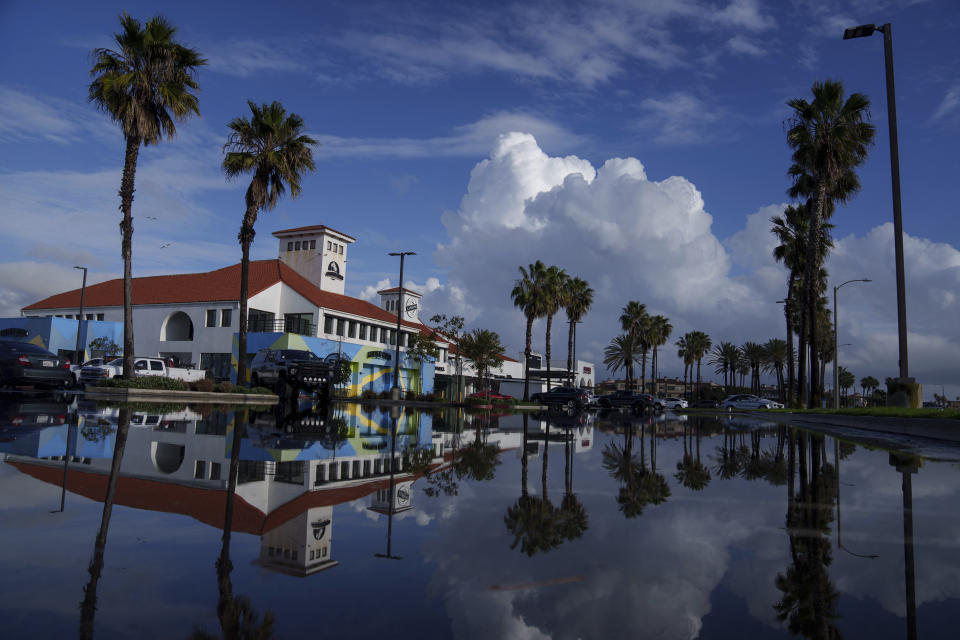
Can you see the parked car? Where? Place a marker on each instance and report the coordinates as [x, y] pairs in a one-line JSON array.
[[707, 404], [286, 370], [672, 403], [624, 398], [141, 367], [747, 401], [494, 398], [24, 363], [567, 396], [92, 362]]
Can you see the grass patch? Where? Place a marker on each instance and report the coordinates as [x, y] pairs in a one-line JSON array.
[[878, 412]]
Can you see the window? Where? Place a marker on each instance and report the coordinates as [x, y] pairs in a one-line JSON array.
[[313, 244], [99, 316], [373, 334], [214, 470], [290, 246], [363, 331], [156, 366], [91, 316], [340, 250], [225, 317], [329, 245], [296, 246], [312, 552], [211, 317], [340, 324], [199, 470], [352, 329], [324, 552], [328, 324]]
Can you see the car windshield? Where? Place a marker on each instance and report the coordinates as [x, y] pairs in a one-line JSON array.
[[27, 347], [295, 354], [116, 363]]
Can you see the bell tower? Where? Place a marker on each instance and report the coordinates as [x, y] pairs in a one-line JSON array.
[[318, 253]]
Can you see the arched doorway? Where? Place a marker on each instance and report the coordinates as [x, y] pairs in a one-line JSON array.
[[177, 326]]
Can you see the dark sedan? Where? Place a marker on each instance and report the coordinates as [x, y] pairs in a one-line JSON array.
[[707, 404], [624, 398], [23, 363]]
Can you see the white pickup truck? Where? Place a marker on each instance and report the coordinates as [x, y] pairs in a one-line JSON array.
[[142, 367]]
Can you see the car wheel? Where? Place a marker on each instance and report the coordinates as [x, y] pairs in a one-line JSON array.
[[571, 404], [254, 380]]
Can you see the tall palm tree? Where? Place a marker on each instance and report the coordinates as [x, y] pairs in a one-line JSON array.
[[577, 300], [527, 295], [685, 354], [554, 291], [635, 321], [829, 137], [272, 146], [144, 86], [698, 344], [791, 231], [621, 353], [659, 332]]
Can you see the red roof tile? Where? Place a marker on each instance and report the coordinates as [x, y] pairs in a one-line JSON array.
[[222, 285]]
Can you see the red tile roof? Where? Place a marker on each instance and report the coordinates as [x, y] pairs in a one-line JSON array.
[[222, 285], [316, 227]]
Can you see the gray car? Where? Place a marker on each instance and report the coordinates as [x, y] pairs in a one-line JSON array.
[[24, 363]]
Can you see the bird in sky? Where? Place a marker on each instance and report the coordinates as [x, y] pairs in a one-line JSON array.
[[165, 245], [151, 217]]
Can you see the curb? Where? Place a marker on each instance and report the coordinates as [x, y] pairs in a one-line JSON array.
[[162, 395]]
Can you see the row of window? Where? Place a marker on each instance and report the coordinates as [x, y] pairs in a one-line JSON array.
[[200, 470], [226, 317], [334, 247], [90, 316], [362, 331], [302, 246]]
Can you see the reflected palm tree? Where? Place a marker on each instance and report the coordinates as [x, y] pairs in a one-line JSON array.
[[532, 520], [235, 613], [809, 600], [624, 467], [691, 472], [88, 606], [478, 460], [572, 515]]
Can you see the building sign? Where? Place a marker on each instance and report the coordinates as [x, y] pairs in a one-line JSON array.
[[383, 355], [586, 370]]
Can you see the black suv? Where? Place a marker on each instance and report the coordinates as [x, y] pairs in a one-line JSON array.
[[291, 370], [567, 396], [632, 399]]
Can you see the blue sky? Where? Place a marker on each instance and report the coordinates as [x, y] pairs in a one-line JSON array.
[[419, 109]]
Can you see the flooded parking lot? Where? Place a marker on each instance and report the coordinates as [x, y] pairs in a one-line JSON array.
[[354, 520]]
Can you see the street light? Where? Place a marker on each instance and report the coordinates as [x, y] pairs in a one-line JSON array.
[[83, 292], [836, 385], [395, 391], [864, 31]]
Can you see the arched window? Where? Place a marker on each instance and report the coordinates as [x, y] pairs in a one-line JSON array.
[[177, 326], [167, 457]]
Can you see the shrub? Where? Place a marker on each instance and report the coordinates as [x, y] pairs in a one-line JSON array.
[[206, 385], [145, 382], [368, 394], [227, 387]]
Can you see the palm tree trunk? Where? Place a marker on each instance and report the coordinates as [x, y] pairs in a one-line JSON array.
[[246, 237], [570, 363], [697, 388], [523, 457], [643, 371], [526, 365], [788, 312], [549, 328], [813, 262], [126, 248], [88, 607], [802, 395]]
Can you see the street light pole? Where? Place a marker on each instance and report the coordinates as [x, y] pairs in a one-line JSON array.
[[395, 390], [836, 367], [83, 292], [863, 31]]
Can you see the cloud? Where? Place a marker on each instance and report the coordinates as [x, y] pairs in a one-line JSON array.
[[739, 44], [244, 58], [25, 116], [950, 105], [679, 119], [468, 140], [634, 238]]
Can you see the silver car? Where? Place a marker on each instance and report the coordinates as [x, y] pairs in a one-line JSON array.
[[747, 401], [672, 403]]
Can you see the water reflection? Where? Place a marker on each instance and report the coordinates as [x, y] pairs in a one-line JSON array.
[[744, 511]]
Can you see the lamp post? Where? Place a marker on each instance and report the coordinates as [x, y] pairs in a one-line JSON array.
[[864, 31], [395, 390], [83, 292], [836, 385]]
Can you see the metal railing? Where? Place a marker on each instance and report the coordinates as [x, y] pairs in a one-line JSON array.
[[292, 325]]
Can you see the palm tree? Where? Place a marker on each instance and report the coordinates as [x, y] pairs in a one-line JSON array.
[[621, 353], [145, 87], [829, 138], [846, 380], [659, 332], [635, 321], [724, 357], [527, 295], [272, 146], [698, 344], [554, 291], [791, 231], [755, 356], [577, 299], [685, 354], [484, 349], [776, 355], [869, 383]]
